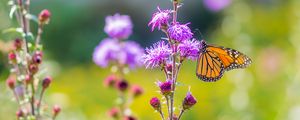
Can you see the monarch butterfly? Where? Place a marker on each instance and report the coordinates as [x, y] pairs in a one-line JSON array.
[[213, 61]]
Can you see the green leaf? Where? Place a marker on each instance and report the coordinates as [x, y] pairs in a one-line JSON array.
[[32, 17], [16, 30], [12, 11]]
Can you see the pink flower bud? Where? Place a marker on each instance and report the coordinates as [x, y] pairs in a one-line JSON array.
[[189, 101], [129, 118], [12, 56], [110, 81], [33, 68], [155, 103], [113, 113], [56, 109], [44, 16], [46, 82], [37, 59], [122, 85], [137, 90], [11, 83], [20, 113], [28, 79], [18, 43]]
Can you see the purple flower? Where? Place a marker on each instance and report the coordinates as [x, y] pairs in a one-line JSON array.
[[131, 54], [188, 101], [118, 26], [180, 32], [165, 87], [160, 18], [156, 54], [216, 5], [189, 49], [106, 52]]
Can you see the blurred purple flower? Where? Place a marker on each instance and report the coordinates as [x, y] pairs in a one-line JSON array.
[[109, 50], [156, 54], [131, 54], [106, 52], [216, 5], [160, 18], [189, 49], [180, 32], [118, 26]]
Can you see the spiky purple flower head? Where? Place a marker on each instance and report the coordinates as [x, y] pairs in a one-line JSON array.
[[118, 26], [216, 5], [180, 32], [160, 19], [165, 87], [156, 54], [188, 101], [189, 49]]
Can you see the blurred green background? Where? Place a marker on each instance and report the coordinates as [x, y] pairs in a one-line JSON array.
[[266, 30]]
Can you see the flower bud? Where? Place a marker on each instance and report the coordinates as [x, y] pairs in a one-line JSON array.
[[44, 16], [155, 103], [165, 87], [169, 67], [11, 83], [175, 117], [12, 57], [188, 101], [110, 81], [20, 113], [28, 79], [18, 43], [33, 68], [37, 59], [137, 90], [46, 82], [122, 85], [113, 113], [56, 109], [129, 118]]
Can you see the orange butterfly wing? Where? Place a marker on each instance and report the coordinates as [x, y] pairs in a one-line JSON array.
[[213, 61]]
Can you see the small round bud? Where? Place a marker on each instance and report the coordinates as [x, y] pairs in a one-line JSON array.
[[37, 59], [155, 103], [113, 113], [20, 113], [165, 87], [12, 57], [56, 109], [11, 83], [110, 81], [33, 68], [137, 90], [28, 79], [46, 82], [122, 85], [18, 43], [175, 117], [129, 118], [44, 16], [189, 101], [169, 67]]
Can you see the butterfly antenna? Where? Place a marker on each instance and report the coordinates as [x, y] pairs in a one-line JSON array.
[[198, 31]]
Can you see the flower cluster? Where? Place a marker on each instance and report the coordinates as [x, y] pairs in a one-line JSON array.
[[121, 54], [168, 55], [26, 81], [115, 49]]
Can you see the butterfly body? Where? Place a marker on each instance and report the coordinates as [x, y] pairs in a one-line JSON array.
[[213, 61]]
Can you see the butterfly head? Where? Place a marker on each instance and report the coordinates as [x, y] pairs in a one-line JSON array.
[[202, 45]]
